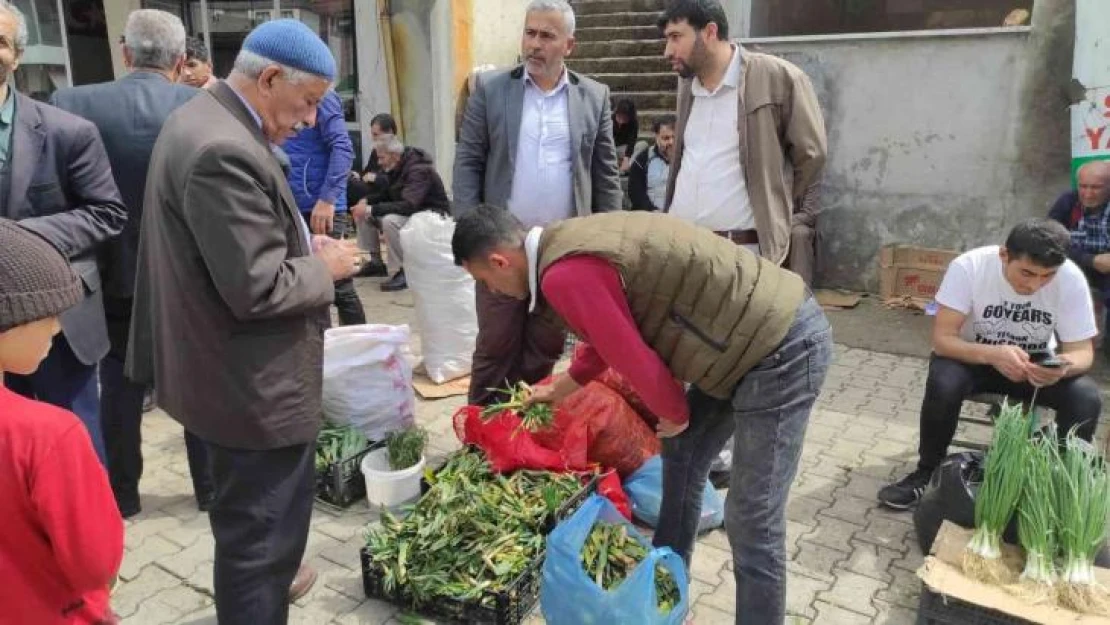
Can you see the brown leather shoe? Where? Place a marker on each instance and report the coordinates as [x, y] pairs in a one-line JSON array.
[[302, 583]]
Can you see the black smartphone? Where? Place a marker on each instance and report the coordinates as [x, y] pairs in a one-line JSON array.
[[1047, 360]]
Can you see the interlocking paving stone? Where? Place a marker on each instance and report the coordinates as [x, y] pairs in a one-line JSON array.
[[852, 591]]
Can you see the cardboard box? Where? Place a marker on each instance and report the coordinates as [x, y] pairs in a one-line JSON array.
[[943, 574], [912, 271]]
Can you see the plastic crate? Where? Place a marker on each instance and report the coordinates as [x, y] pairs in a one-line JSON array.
[[341, 483], [936, 609], [508, 606]]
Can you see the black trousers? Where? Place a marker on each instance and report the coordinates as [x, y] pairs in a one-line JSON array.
[[347, 303], [260, 521], [121, 414], [1076, 401]]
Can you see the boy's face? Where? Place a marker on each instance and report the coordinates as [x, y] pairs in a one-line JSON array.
[[23, 347]]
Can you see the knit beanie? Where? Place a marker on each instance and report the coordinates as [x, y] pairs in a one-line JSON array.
[[291, 43], [36, 282]]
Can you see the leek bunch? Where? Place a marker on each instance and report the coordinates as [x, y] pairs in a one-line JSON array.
[[1082, 491], [1037, 521], [1003, 481]]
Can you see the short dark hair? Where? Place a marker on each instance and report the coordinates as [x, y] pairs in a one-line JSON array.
[[195, 49], [481, 230], [1043, 241], [386, 122], [667, 119], [625, 106], [696, 13]]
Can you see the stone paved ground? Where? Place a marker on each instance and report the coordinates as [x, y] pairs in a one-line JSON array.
[[849, 561]]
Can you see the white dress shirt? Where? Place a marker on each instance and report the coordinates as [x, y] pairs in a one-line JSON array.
[[543, 177], [710, 190]]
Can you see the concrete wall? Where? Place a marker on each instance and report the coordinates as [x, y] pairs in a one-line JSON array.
[[943, 141], [496, 31], [421, 31]]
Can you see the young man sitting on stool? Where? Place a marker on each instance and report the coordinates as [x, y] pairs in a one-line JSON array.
[[1000, 309]]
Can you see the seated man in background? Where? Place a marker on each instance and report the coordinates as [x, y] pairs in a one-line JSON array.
[[414, 186], [372, 184], [1085, 212], [647, 177], [1001, 309]]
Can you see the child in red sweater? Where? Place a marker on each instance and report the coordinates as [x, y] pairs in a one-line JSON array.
[[61, 539]]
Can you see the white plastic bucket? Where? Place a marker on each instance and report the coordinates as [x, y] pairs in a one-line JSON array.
[[386, 487]]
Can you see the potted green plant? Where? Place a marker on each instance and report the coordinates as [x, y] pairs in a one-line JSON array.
[[393, 472]]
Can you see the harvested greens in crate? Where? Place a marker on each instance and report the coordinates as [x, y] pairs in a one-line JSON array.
[[339, 452], [471, 548]]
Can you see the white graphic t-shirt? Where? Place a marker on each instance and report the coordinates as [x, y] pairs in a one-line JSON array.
[[997, 315]]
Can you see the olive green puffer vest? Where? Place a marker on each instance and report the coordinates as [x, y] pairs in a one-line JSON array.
[[711, 309]]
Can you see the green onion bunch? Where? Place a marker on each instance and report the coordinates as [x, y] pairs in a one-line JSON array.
[[1037, 521], [1082, 491], [1003, 481]]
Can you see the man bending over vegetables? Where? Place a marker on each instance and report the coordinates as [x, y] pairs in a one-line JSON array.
[[1001, 311], [657, 298]]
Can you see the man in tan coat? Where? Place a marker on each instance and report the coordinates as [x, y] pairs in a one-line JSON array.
[[750, 137]]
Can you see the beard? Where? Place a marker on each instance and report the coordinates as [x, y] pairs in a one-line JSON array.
[[690, 67]]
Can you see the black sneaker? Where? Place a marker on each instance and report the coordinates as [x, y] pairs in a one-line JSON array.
[[906, 492]]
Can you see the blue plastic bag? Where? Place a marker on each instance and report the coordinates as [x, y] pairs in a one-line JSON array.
[[645, 490], [568, 596]]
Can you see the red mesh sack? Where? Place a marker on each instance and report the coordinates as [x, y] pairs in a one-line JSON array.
[[509, 447], [616, 436], [616, 381]]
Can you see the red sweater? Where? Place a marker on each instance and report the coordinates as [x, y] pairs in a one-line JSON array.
[[586, 292], [61, 540]]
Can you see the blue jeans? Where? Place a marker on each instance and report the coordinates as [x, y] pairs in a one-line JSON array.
[[66, 382], [767, 419]]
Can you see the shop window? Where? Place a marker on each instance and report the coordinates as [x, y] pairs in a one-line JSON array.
[[781, 18]]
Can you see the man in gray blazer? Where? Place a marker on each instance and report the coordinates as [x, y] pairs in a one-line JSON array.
[[55, 181], [129, 113], [538, 141], [231, 303]]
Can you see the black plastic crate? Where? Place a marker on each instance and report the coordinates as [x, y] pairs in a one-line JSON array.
[[936, 609], [505, 607], [341, 483]]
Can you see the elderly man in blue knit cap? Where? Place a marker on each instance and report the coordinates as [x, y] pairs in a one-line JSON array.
[[231, 304]]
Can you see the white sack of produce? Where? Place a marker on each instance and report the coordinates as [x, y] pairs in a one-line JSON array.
[[368, 378], [443, 294]]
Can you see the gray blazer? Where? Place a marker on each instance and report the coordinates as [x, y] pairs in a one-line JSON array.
[[62, 189], [486, 150], [129, 114], [230, 305]]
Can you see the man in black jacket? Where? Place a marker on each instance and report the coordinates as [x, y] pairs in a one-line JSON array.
[[56, 182], [371, 185], [129, 114], [647, 178], [414, 186]]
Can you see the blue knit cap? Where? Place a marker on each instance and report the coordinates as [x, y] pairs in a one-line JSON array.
[[291, 43]]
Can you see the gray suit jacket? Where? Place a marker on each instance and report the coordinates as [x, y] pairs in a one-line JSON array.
[[129, 114], [62, 189], [486, 150], [230, 305]]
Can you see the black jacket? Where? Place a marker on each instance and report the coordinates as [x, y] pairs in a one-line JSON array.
[[414, 186], [637, 181], [61, 188], [372, 192], [129, 114]]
